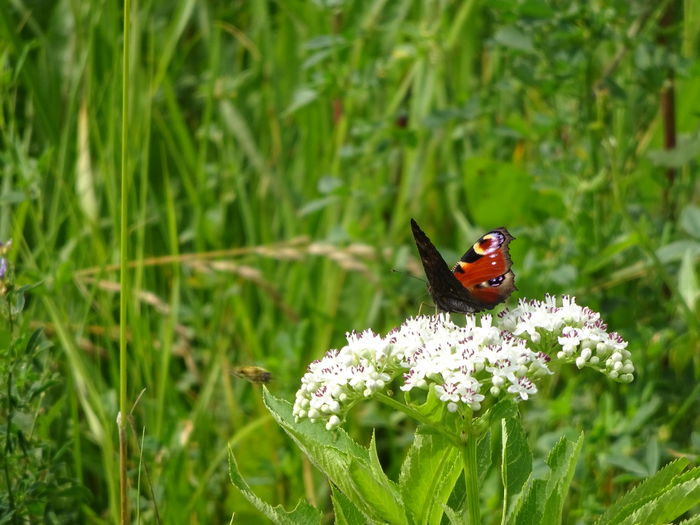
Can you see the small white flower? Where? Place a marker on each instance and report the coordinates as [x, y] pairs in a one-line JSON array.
[[523, 387]]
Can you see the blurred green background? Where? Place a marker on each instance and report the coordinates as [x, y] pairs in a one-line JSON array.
[[278, 150]]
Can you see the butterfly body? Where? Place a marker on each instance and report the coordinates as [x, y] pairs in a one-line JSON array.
[[480, 280]]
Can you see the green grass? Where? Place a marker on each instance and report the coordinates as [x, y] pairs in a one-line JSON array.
[[277, 152]]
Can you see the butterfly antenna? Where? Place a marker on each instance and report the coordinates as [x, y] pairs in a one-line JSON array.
[[404, 272]]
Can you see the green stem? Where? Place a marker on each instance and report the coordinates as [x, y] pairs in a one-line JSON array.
[[123, 274], [390, 401], [471, 481]]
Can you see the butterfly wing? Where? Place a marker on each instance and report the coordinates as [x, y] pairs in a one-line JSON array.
[[447, 291], [485, 269]]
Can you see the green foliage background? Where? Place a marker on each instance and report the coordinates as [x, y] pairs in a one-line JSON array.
[[278, 152]]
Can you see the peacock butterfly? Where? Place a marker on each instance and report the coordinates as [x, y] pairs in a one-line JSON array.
[[480, 280]]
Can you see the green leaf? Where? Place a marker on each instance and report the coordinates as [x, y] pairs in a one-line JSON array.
[[695, 520], [302, 514], [237, 125], [674, 251], [612, 250], [317, 204], [428, 475], [690, 220], [688, 286], [453, 516], [645, 491], [512, 37], [347, 464], [346, 513], [528, 509], [375, 494], [302, 97], [489, 447], [668, 506], [484, 454], [33, 341], [686, 150], [562, 462], [516, 462]]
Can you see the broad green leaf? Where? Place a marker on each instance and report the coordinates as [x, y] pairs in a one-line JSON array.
[[510, 36], [346, 513], [528, 507], [690, 220], [515, 186], [674, 251], [516, 460], [629, 464], [302, 96], [688, 281], [504, 409], [432, 408], [562, 462], [489, 447], [458, 498], [484, 455], [612, 250], [642, 493], [428, 475], [376, 495], [669, 505], [33, 341], [375, 486], [347, 464], [302, 514], [688, 475], [687, 149]]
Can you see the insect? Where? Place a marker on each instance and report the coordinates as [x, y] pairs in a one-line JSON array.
[[254, 374], [480, 280]]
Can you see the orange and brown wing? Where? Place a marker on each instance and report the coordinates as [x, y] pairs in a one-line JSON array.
[[485, 269]]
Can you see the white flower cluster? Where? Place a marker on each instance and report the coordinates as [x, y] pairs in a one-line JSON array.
[[462, 364], [581, 334]]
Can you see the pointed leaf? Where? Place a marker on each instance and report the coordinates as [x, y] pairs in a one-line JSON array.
[[302, 514], [428, 475], [562, 462], [516, 462], [489, 447], [347, 464], [453, 517], [528, 508], [375, 496], [512, 37], [695, 520], [688, 281], [346, 513], [690, 220], [645, 491], [668, 506]]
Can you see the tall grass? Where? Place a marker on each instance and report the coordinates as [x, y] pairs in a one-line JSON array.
[[277, 151]]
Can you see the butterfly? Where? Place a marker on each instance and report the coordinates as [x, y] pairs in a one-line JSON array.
[[480, 280]]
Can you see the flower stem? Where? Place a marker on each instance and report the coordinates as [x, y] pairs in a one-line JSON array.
[[471, 481], [397, 405]]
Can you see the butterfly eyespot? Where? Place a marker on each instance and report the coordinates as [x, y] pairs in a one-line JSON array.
[[496, 281]]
